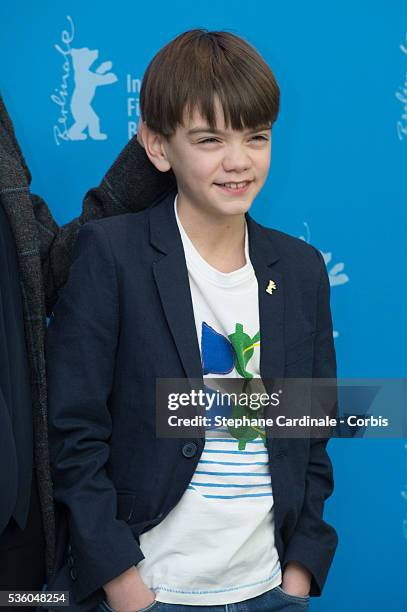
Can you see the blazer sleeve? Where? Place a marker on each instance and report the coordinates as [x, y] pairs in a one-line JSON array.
[[131, 184], [314, 541], [81, 345]]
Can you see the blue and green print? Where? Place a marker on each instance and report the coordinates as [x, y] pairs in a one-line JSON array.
[[220, 355]]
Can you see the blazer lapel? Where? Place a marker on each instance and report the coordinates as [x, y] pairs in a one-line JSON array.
[[263, 256], [171, 276], [271, 300]]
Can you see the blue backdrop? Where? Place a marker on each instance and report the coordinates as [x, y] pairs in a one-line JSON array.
[[338, 179]]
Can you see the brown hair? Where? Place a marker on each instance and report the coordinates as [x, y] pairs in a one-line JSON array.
[[197, 66]]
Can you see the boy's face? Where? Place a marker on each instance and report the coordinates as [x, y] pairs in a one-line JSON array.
[[218, 171]]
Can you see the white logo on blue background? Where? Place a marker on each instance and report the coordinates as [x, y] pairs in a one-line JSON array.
[[401, 96], [336, 273], [81, 121]]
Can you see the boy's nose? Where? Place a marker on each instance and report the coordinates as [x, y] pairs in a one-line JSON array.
[[236, 158]]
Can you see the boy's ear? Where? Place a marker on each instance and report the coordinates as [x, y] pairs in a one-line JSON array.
[[154, 146]]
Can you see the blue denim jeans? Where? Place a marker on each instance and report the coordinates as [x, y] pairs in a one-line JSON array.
[[275, 600]]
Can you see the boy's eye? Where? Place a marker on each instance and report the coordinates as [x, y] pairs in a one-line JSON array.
[[205, 140], [260, 137]]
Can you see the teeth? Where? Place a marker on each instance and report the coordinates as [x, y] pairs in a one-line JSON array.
[[235, 185]]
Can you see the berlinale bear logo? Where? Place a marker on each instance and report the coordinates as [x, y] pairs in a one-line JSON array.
[[86, 82], [84, 121]]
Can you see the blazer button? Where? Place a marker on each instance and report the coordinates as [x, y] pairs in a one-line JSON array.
[[73, 573], [189, 449]]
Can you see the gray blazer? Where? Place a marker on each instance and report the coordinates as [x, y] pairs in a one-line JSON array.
[[44, 253]]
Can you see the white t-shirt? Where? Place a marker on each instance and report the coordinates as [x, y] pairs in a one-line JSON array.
[[217, 545]]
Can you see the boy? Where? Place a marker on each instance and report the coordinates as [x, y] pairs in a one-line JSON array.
[[190, 287]]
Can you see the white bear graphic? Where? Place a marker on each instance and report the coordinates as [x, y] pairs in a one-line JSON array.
[[86, 82]]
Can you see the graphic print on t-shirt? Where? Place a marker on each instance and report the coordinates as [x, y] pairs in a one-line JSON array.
[[243, 347], [221, 354], [217, 352]]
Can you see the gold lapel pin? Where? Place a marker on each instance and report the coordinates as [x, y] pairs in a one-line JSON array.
[[271, 286]]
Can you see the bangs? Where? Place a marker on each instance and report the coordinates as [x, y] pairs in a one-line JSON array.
[[197, 69]]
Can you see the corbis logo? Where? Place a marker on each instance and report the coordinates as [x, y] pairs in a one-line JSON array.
[[336, 273], [77, 119]]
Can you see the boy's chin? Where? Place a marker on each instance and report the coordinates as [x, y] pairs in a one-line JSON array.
[[236, 206]]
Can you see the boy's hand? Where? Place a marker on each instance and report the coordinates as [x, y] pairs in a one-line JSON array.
[[296, 579], [127, 592]]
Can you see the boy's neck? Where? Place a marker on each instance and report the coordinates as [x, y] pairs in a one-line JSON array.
[[220, 240]]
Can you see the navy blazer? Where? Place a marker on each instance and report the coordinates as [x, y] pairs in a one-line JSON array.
[[126, 318]]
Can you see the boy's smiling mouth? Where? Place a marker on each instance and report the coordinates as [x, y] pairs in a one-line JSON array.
[[234, 187]]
